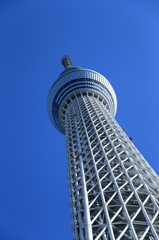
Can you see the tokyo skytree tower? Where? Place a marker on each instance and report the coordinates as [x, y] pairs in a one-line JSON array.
[[114, 193]]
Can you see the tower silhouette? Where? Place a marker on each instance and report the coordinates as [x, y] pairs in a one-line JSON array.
[[114, 193]]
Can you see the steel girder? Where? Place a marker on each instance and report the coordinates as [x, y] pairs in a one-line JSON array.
[[114, 193]]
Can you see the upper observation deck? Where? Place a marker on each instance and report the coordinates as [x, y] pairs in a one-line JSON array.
[[76, 80]]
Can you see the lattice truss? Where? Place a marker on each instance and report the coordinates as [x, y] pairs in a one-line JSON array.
[[114, 192]]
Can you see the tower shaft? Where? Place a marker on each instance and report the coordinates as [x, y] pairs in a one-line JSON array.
[[114, 192]]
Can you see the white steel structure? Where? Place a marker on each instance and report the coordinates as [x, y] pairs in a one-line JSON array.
[[114, 193]]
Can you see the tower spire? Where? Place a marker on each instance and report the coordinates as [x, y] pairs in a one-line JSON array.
[[114, 193]]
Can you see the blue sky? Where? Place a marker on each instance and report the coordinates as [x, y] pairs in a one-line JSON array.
[[119, 39]]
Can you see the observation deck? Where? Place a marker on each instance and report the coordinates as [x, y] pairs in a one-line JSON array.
[[74, 80]]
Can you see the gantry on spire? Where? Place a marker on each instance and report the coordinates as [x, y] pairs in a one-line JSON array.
[[66, 61]]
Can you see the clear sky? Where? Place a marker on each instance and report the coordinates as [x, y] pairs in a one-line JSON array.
[[119, 39]]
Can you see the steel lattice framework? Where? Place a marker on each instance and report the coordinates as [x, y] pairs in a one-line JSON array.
[[114, 193]]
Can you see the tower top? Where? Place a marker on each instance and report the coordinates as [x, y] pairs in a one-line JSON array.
[[66, 61], [76, 80]]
